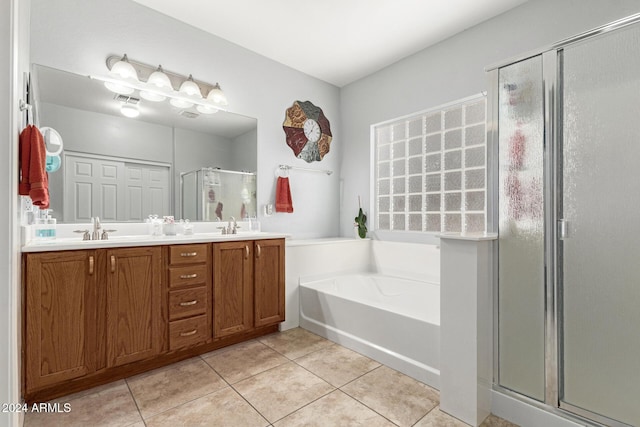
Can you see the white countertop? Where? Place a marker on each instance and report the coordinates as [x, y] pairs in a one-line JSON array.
[[72, 243]]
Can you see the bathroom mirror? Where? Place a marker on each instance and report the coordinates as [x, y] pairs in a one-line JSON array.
[[123, 169]]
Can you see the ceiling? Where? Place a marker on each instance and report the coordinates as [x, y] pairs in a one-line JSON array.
[[338, 41]]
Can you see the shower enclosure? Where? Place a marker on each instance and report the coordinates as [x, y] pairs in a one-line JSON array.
[[565, 132], [213, 194]]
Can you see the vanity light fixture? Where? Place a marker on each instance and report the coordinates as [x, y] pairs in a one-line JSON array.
[[159, 79], [190, 88], [124, 69], [217, 96], [155, 84]]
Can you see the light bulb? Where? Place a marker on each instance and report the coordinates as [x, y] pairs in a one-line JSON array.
[[129, 110], [152, 96], [119, 88], [204, 109], [217, 96], [159, 79], [190, 88], [180, 103], [124, 70]]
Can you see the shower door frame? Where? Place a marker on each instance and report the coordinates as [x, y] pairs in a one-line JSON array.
[[552, 67]]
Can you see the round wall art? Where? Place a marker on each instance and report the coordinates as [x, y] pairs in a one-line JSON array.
[[308, 131]]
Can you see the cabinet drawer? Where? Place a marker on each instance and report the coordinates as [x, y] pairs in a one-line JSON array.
[[187, 254], [189, 275], [187, 302], [183, 333]]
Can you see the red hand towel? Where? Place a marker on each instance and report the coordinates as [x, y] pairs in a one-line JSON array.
[[34, 181], [283, 195]]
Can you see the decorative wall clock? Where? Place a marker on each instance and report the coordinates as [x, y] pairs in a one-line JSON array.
[[308, 131]]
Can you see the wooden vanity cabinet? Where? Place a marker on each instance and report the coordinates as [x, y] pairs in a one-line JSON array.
[[94, 316], [248, 285], [90, 310], [269, 279], [60, 317], [232, 288], [135, 328], [189, 295]]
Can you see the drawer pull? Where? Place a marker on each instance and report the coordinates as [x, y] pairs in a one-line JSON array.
[[188, 254], [246, 251], [259, 250], [188, 303], [113, 264], [91, 264], [189, 276], [188, 334]]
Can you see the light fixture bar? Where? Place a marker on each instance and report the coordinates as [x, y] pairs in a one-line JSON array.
[[144, 71], [148, 88]]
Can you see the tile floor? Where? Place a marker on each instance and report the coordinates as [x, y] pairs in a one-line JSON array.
[[292, 378]]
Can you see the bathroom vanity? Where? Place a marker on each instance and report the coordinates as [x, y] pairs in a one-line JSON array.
[[98, 311]]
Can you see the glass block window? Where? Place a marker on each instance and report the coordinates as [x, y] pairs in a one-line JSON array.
[[430, 170]]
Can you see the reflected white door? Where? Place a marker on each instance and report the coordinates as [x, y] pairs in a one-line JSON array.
[[147, 191], [599, 259], [114, 190], [93, 187]]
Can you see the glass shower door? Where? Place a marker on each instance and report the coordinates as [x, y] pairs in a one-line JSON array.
[[599, 254], [521, 273]]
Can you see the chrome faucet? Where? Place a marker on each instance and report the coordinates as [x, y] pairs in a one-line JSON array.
[[232, 229], [95, 235]]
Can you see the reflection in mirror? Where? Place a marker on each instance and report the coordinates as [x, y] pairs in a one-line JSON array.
[[124, 169], [213, 194]]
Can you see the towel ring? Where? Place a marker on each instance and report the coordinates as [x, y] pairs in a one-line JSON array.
[[52, 141], [282, 172]]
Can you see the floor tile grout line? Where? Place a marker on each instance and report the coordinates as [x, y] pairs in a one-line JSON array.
[[428, 412], [133, 396], [307, 404], [250, 404], [367, 406], [240, 394], [183, 403]]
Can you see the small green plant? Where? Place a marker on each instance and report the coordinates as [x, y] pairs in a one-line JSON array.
[[361, 221]]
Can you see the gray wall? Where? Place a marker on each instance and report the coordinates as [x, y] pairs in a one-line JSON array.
[[244, 155], [451, 70], [78, 35], [107, 135]]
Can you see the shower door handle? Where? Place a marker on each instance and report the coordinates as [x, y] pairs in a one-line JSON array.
[[563, 229]]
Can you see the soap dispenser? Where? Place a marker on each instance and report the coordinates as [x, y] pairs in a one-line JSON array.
[[51, 226]]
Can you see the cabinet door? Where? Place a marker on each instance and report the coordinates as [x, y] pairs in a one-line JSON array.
[[233, 287], [59, 317], [134, 307], [269, 282]]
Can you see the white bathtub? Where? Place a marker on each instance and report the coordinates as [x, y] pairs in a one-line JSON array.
[[393, 320]]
